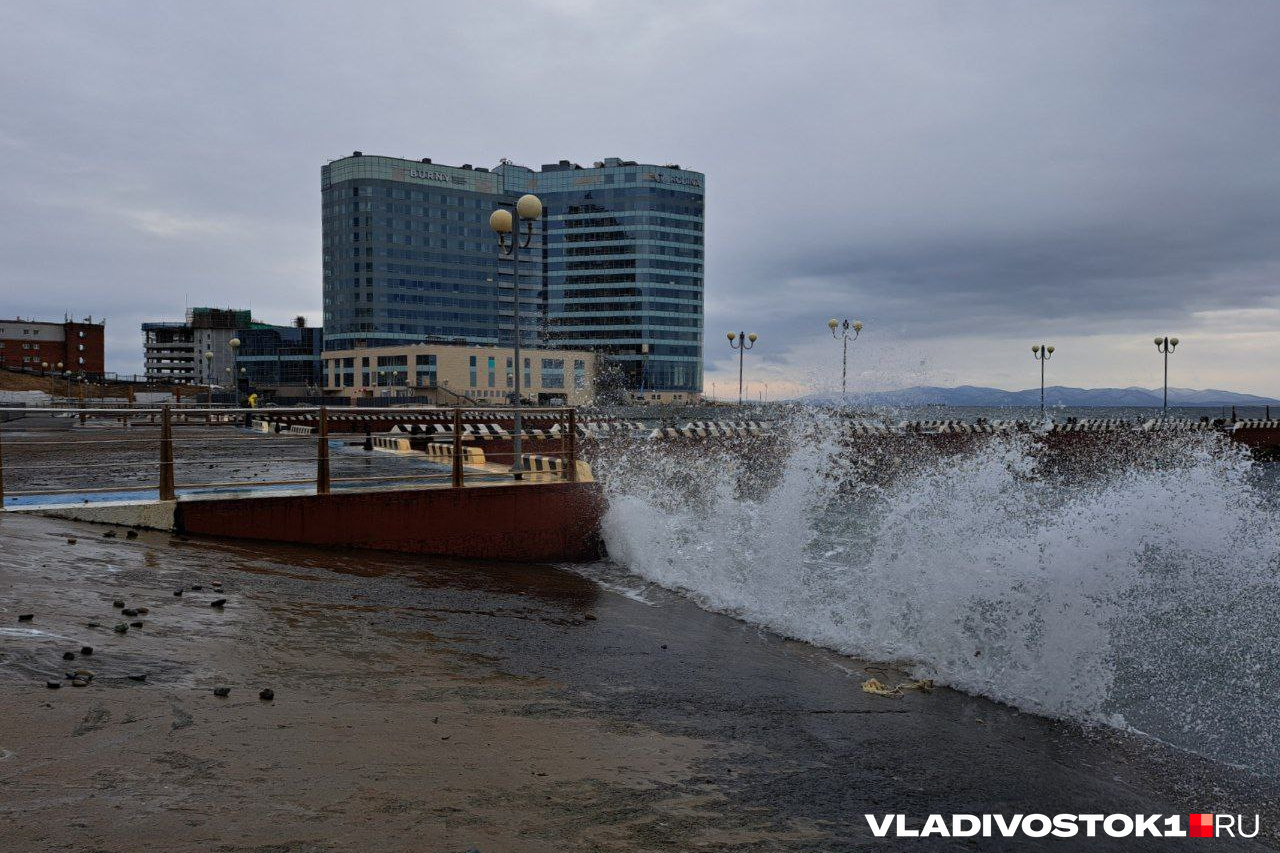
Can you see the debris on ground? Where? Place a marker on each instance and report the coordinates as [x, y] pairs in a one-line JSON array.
[[876, 687]]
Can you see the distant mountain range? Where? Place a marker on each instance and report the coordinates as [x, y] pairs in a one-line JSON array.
[[1057, 395]]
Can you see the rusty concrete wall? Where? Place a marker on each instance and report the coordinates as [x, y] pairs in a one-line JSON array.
[[521, 523]]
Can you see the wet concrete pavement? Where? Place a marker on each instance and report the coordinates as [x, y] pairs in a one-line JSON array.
[[44, 454], [425, 705]]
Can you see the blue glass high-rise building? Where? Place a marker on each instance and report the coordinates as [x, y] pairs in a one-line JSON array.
[[616, 263]]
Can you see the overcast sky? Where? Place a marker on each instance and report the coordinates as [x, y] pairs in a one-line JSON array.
[[964, 177]]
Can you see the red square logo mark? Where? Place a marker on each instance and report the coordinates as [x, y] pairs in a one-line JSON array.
[[1200, 826]]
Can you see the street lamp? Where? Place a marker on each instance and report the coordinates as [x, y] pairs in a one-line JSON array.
[[742, 342], [234, 343], [208, 374], [856, 325], [527, 208], [1042, 353], [1166, 345]]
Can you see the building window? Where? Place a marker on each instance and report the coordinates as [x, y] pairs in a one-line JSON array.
[[553, 373], [473, 371], [493, 375], [579, 374]]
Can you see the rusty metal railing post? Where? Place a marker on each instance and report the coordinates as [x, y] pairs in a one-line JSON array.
[[166, 455], [457, 448], [571, 455], [322, 453]]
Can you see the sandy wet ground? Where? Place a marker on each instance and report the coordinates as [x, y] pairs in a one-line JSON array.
[[434, 705], [383, 734]]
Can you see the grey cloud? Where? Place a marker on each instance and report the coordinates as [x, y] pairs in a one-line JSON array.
[[936, 166]]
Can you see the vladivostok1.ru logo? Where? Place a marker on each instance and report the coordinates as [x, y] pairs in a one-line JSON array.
[[1198, 825]]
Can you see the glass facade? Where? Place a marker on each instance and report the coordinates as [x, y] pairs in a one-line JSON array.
[[271, 356], [615, 264], [624, 269]]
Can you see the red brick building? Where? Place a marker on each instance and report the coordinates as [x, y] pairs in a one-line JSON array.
[[30, 344]]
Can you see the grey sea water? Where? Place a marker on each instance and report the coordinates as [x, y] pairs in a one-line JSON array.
[[1144, 596]]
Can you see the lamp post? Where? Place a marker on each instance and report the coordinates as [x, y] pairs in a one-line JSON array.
[[1042, 353], [503, 222], [742, 342], [208, 375], [1166, 345], [57, 370], [234, 344], [846, 325]]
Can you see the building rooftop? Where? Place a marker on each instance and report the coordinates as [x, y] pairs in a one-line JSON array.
[[560, 166]]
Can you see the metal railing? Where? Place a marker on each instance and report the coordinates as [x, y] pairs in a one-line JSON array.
[[552, 431]]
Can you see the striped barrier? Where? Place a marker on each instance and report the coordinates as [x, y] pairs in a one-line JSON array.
[[443, 451], [437, 451], [751, 427], [1162, 425], [928, 427], [555, 465], [391, 443], [983, 427], [869, 428], [699, 432], [1095, 425], [1255, 423]]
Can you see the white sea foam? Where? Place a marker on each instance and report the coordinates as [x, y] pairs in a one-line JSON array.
[[1144, 594]]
